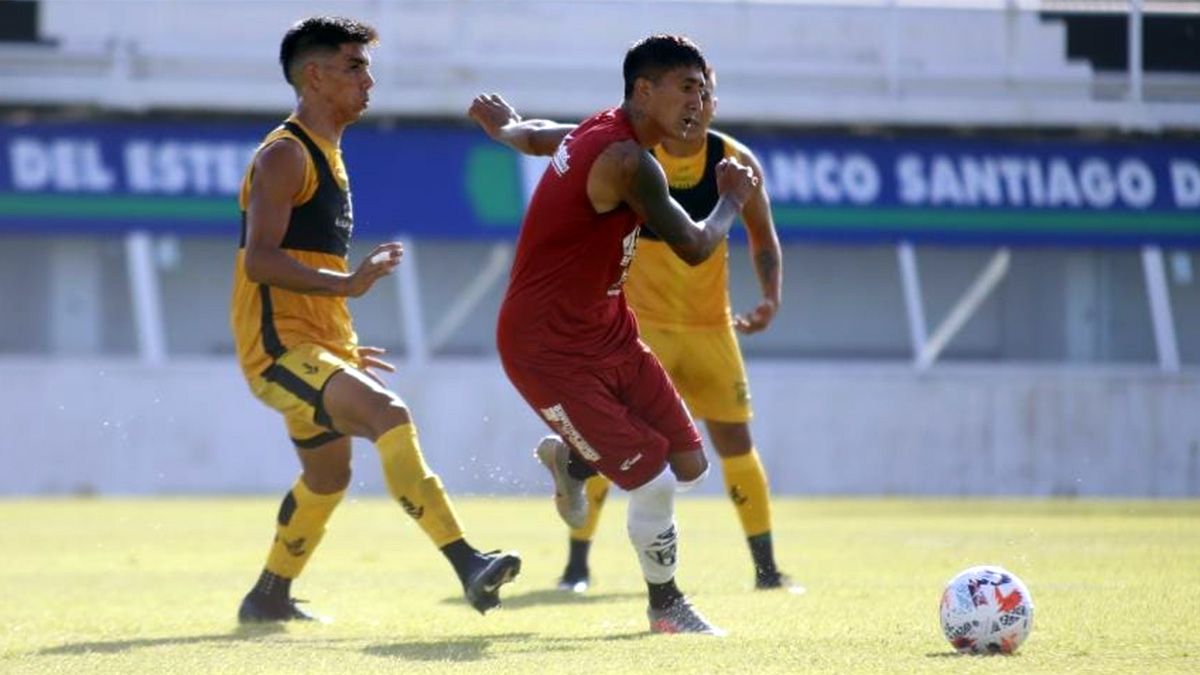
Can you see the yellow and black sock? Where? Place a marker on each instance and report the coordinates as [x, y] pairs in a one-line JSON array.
[[418, 490], [300, 526], [597, 491], [746, 485]]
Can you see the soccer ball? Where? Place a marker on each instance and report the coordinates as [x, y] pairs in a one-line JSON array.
[[986, 610]]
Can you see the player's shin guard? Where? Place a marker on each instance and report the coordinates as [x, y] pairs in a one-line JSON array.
[[651, 526], [299, 528], [418, 490], [597, 491], [746, 485]]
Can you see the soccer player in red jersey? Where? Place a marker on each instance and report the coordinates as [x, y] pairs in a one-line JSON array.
[[684, 315], [566, 337]]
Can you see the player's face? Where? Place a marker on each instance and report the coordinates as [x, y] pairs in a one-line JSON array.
[[347, 79], [708, 107], [677, 101]]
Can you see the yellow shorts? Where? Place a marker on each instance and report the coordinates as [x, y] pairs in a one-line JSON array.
[[293, 385], [707, 369]]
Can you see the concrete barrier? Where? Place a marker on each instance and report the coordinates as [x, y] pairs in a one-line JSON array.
[[118, 427]]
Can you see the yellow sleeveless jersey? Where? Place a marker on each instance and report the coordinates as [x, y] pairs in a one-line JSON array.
[[267, 321], [664, 291]]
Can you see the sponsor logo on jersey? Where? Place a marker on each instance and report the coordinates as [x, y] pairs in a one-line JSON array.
[[561, 157], [557, 417]]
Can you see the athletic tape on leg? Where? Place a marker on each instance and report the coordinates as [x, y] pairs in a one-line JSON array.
[[651, 526]]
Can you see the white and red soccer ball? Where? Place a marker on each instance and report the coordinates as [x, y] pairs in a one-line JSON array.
[[986, 610]]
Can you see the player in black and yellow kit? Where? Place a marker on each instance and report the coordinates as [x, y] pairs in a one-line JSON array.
[[295, 340], [684, 316]]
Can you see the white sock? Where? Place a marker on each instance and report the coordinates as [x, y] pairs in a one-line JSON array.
[[651, 527]]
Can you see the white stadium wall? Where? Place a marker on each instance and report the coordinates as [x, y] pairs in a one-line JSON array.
[[116, 427], [903, 62], [1080, 385]]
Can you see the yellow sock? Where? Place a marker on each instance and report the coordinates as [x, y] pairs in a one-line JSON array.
[[418, 489], [299, 528], [746, 485], [597, 492]]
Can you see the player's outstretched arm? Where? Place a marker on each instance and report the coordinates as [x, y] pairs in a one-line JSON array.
[[765, 254], [501, 121], [641, 183], [278, 175]]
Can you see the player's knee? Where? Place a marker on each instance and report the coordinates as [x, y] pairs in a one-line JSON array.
[[327, 480], [689, 467], [387, 411]]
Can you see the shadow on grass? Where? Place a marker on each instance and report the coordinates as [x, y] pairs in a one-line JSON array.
[[466, 648], [477, 647], [983, 655], [242, 633], [553, 596]]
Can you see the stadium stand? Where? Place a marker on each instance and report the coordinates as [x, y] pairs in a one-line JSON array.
[[990, 216]]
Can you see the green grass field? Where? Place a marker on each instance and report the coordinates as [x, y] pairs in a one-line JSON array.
[[123, 586]]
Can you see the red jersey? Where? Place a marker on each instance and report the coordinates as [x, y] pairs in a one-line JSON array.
[[564, 306]]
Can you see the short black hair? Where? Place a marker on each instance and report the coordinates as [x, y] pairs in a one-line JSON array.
[[652, 56], [318, 33]]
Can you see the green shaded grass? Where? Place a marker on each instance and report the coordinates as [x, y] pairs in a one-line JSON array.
[[121, 586]]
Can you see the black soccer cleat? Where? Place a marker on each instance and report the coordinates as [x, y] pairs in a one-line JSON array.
[[483, 588], [574, 582], [260, 608], [777, 580]]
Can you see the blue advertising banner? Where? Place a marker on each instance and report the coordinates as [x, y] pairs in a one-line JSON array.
[[451, 182]]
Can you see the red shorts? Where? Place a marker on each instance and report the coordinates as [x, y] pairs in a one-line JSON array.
[[623, 420]]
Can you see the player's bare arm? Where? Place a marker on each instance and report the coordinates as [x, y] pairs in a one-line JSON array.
[[278, 178], [765, 254], [636, 178], [500, 121]]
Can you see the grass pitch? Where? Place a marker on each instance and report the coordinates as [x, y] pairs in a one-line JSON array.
[[125, 586]]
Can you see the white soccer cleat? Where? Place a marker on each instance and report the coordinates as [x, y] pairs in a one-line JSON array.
[[681, 617], [569, 496]]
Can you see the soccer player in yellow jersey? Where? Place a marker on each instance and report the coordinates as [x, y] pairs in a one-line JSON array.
[[684, 316], [294, 337]]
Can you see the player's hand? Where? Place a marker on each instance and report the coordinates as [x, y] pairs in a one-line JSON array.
[[368, 357], [492, 113], [379, 263], [757, 319], [736, 181]]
